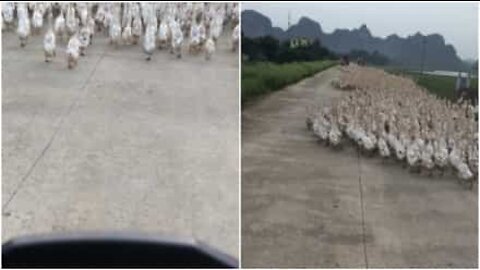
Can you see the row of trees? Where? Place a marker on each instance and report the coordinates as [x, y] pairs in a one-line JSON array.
[[272, 50]]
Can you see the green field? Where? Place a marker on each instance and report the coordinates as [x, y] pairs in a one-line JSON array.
[[260, 78], [440, 85]]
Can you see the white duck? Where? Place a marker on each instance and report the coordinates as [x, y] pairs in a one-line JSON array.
[[235, 37], [108, 19], [163, 36], [354, 132], [320, 129], [383, 146], [137, 28], [335, 136], [71, 21], [82, 10], [367, 143], [149, 38], [73, 51], [440, 156], [49, 40], [8, 9], [84, 39], [209, 48], [321, 125], [23, 29], [472, 158], [400, 150], [126, 14], [427, 156], [91, 28], [127, 36], [115, 31], [37, 19], [194, 42], [373, 139], [59, 27], [177, 39], [100, 15], [216, 27], [414, 152], [202, 30], [457, 161], [391, 134]]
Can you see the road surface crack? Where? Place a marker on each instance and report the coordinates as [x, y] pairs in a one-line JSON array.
[[65, 115], [362, 209]]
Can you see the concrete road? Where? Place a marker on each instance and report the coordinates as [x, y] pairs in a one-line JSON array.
[[120, 143], [306, 205]]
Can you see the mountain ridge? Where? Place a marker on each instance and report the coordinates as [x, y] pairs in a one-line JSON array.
[[406, 52]]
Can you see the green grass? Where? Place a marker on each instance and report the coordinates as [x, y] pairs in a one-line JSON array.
[[442, 86], [261, 78]]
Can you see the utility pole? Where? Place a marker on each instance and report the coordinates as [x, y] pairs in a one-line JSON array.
[[424, 41], [289, 23]]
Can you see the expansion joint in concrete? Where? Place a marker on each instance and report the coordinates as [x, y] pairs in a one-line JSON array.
[[52, 138], [362, 209]]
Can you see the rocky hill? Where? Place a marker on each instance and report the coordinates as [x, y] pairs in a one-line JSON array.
[[405, 52]]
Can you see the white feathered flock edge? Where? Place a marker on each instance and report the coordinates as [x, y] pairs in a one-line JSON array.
[[393, 117], [154, 25]]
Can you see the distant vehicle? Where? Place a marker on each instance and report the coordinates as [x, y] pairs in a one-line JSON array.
[[344, 61], [118, 250], [360, 61], [464, 90]]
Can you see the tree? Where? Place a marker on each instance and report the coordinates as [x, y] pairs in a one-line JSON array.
[[270, 49]]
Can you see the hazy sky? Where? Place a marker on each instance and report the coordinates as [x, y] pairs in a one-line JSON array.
[[456, 22]]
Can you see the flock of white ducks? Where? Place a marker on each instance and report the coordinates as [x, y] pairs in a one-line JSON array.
[[167, 26], [393, 117]]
